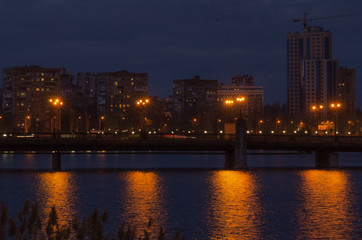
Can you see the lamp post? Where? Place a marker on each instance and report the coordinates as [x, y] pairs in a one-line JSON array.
[[26, 124], [56, 104], [101, 118], [240, 100], [317, 110], [240, 153], [142, 104], [335, 108], [78, 119], [261, 126]]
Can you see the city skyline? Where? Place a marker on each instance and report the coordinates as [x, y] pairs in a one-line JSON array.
[[173, 40]]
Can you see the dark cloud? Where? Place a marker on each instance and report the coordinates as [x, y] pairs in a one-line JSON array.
[[172, 39]]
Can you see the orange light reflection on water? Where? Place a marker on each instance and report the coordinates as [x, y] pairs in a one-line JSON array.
[[29, 160], [326, 201], [235, 208], [57, 189], [144, 199]]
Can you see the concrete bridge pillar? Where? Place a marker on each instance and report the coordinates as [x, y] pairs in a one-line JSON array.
[[56, 160], [229, 159], [240, 144], [238, 158], [326, 159]]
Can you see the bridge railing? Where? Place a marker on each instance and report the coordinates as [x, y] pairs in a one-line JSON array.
[[181, 137]]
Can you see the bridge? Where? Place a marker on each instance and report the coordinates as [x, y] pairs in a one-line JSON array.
[[325, 147]]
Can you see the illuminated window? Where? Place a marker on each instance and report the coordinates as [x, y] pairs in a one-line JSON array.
[[37, 89]]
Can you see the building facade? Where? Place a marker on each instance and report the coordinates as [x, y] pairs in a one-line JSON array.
[[244, 80], [117, 94], [311, 70], [26, 95], [346, 91], [253, 105], [194, 95], [87, 83]]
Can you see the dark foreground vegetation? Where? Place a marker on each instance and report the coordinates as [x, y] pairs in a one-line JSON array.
[[28, 225]]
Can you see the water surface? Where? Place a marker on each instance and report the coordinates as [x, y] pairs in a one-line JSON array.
[[287, 200]]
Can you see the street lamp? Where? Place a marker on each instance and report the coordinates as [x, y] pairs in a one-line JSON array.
[[142, 104], [317, 109], [26, 124], [335, 108], [240, 100], [56, 104], [78, 119], [100, 122], [277, 124]]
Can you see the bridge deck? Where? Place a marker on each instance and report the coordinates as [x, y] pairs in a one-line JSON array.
[[210, 143]]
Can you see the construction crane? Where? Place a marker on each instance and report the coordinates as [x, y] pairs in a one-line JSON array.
[[305, 19]]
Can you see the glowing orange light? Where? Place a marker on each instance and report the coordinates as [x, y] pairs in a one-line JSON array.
[[143, 102]]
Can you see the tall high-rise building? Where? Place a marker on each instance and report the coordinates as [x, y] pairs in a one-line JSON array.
[[26, 95], [311, 70]]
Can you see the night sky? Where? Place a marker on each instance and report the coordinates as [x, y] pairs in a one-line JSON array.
[[172, 39]]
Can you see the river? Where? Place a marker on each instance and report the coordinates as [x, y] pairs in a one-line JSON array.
[[281, 196]]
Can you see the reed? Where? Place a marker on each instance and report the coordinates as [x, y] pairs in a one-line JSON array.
[[28, 225]]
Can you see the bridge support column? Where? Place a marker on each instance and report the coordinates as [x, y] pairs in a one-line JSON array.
[[229, 159], [238, 160], [56, 160], [326, 159]]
